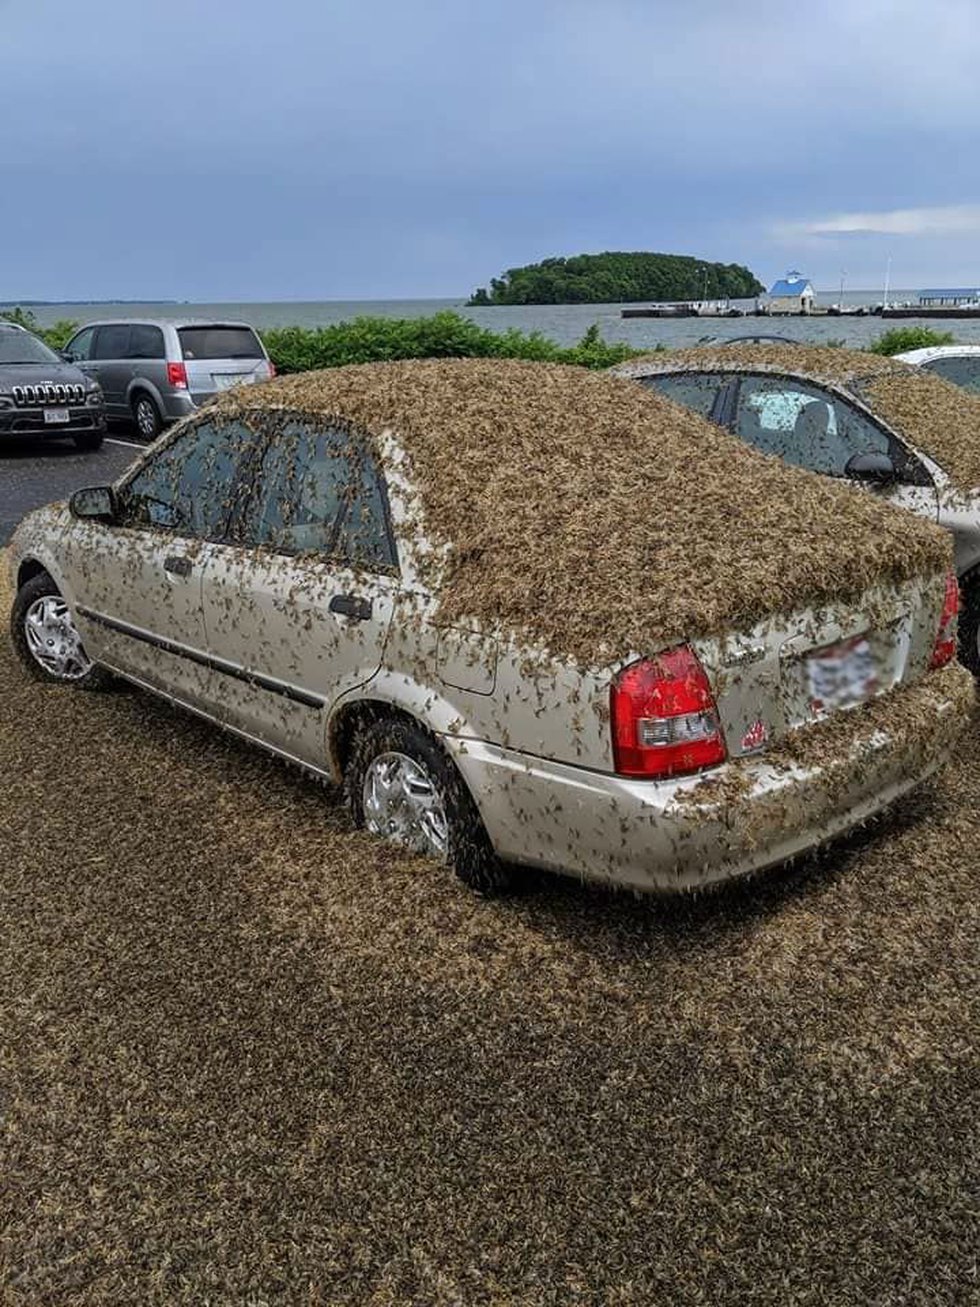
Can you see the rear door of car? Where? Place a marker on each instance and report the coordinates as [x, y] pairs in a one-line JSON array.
[[109, 362], [147, 357], [817, 428], [298, 602], [218, 356]]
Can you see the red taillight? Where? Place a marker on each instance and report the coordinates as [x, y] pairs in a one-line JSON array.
[[664, 719], [177, 375], [944, 650], [272, 369]]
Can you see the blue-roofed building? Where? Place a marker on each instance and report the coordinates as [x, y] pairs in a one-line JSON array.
[[949, 299], [791, 294]]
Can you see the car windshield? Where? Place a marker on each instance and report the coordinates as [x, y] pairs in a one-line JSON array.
[[22, 347], [219, 343]]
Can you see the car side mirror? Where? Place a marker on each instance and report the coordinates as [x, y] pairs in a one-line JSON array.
[[67, 355], [872, 466], [94, 503]]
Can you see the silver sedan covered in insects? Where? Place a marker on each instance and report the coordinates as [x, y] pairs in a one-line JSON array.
[[902, 433], [525, 614]]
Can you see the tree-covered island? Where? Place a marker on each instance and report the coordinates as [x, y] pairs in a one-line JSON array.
[[616, 278]]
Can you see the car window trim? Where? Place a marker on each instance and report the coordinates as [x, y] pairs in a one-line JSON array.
[[241, 508]]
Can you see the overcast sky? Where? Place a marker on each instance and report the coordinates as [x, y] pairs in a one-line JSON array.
[[342, 149]]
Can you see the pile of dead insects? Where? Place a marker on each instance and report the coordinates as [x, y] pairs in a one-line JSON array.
[[250, 1057], [599, 519], [937, 417]]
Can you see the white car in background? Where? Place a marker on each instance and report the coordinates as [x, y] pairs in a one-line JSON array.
[[959, 364]]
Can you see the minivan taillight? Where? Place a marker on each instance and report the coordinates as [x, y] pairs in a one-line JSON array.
[[944, 650], [177, 376], [272, 369], [664, 718]]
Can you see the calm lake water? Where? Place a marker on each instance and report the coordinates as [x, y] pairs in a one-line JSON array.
[[565, 323]]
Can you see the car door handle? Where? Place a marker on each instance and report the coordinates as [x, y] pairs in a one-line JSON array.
[[352, 606], [177, 565]]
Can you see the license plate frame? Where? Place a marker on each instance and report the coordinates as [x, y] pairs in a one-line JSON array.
[[226, 380], [56, 417], [843, 675]]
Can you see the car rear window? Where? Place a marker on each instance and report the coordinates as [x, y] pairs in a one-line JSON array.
[[219, 343]]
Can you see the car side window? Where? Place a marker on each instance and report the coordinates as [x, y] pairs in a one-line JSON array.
[[81, 346], [146, 342], [318, 491], [188, 487], [963, 371], [112, 342], [804, 425], [695, 390]]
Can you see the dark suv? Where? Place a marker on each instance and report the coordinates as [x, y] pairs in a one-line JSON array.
[[42, 395]]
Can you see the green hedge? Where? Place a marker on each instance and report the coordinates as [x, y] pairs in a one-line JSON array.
[[900, 339], [444, 335]]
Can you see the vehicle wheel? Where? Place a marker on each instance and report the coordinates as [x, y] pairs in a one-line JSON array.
[[969, 628], [46, 639], [402, 786], [88, 441], [147, 417]]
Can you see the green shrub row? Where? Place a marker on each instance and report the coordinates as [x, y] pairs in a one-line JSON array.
[[899, 339], [444, 335]]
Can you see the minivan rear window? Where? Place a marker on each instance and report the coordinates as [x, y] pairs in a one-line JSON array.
[[219, 343]]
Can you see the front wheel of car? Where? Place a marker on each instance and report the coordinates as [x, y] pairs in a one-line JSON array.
[[47, 640], [403, 787], [147, 417], [969, 626]]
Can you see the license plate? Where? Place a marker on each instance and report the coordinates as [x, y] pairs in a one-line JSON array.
[[842, 675], [225, 380], [53, 416]]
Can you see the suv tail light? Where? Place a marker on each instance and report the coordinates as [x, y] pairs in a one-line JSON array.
[[177, 376], [272, 368], [664, 719], [944, 650]]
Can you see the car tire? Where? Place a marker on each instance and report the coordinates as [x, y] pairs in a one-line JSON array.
[[46, 641], [969, 624], [89, 441], [146, 415], [423, 780]]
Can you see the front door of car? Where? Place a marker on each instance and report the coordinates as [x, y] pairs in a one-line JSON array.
[[138, 581], [812, 427], [298, 603]]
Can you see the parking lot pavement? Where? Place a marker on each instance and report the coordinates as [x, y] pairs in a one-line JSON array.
[[34, 473]]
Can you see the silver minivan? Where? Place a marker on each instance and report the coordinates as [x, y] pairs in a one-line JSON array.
[[154, 371]]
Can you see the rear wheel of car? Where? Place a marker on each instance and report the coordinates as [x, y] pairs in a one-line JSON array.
[[87, 441], [969, 630], [402, 786], [47, 640], [147, 417]]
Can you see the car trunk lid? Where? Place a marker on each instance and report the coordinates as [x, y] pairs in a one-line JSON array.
[[790, 671]]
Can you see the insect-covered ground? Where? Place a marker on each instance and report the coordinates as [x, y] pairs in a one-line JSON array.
[[247, 1056]]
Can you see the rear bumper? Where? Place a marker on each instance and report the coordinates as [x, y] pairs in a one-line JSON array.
[[746, 815]]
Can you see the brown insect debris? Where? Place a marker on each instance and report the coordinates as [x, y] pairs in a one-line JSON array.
[[597, 519]]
